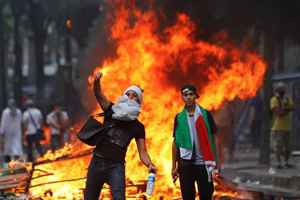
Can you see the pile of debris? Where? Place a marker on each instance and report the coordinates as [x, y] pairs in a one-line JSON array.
[[13, 182]]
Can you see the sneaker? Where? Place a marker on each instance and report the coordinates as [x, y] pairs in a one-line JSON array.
[[280, 166], [288, 165]]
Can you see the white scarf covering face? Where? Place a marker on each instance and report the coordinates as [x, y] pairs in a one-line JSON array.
[[126, 109]]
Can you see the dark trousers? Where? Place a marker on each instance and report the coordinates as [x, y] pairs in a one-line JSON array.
[[7, 158], [30, 140], [103, 171], [188, 174], [55, 142]]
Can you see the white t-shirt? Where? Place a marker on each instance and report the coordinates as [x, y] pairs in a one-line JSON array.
[[52, 117], [36, 116]]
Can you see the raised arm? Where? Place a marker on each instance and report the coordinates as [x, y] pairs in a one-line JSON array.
[[101, 98]]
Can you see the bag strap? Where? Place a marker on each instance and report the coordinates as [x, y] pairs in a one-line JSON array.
[[32, 120], [106, 113], [99, 115]]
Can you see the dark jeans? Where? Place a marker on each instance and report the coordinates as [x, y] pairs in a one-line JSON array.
[[30, 140], [188, 174], [55, 142], [103, 171]]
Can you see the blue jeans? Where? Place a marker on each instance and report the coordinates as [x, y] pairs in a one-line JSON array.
[[103, 171]]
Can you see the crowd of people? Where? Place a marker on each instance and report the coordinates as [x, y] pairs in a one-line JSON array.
[[19, 130]]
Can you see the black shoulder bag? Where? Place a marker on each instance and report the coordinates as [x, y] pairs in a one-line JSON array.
[[93, 131], [39, 131]]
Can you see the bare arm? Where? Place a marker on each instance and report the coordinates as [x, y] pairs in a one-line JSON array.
[[55, 124], [25, 126], [174, 160], [144, 157], [64, 122], [217, 149], [289, 108], [101, 98], [283, 111], [24, 132]]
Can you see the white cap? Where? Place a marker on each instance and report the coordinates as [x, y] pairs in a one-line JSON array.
[[278, 85]]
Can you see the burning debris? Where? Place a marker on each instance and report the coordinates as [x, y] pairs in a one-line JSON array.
[[158, 61], [11, 178]]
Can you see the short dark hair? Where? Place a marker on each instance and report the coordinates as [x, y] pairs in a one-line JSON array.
[[55, 103], [188, 87]]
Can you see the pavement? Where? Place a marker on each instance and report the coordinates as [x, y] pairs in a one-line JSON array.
[[268, 180]]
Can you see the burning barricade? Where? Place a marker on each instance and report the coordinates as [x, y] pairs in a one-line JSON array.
[[158, 61]]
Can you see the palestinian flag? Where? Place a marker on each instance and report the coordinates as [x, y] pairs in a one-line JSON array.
[[183, 138]]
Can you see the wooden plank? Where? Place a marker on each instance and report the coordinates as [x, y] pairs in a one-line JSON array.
[[14, 176], [64, 158], [12, 169], [3, 183], [5, 187], [54, 182]]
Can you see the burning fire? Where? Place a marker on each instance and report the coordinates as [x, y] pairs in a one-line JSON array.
[[160, 63]]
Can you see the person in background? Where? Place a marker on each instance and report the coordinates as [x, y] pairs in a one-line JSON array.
[[58, 121], [11, 130], [281, 105], [195, 148], [107, 164], [32, 121]]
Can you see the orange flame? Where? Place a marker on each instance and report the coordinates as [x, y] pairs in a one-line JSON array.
[[160, 63], [47, 136]]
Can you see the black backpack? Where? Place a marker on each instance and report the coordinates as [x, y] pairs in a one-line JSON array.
[[93, 131]]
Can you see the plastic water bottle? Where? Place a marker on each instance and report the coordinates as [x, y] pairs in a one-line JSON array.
[[150, 184]]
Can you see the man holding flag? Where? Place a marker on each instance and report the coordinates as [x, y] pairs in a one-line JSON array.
[[195, 147]]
